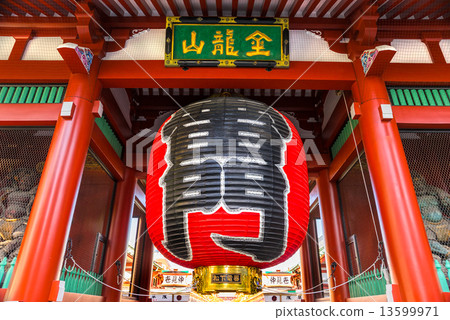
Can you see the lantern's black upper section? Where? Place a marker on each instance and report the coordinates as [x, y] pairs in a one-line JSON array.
[[228, 152]]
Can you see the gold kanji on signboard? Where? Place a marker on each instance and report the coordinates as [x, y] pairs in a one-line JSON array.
[[258, 38], [193, 47]]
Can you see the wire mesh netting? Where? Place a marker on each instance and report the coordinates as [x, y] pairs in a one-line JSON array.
[[428, 156], [22, 156]]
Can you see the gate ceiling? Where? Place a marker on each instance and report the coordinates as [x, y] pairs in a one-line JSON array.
[[335, 9]]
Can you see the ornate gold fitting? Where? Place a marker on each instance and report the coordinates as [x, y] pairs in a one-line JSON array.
[[211, 279]]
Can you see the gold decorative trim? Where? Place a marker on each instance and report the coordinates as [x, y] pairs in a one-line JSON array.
[[227, 278]]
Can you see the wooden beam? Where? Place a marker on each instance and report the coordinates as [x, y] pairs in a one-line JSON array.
[[53, 8], [40, 8], [422, 117], [114, 8], [30, 71], [115, 115], [30, 10], [106, 153], [295, 8], [130, 9], [346, 155], [337, 120], [280, 8], [310, 7], [340, 8], [264, 8], [158, 8], [326, 6], [313, 196], [12, 10], [66, 5], [29, 114], [144, 7], [321, 75], [437, 74], [204, 7], [250, 6], [418, 7], [140, 195], [187, 5], [173, 7], [234, 8], [388, 6]]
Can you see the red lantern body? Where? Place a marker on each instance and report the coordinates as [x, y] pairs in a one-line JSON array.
[[227, 185]]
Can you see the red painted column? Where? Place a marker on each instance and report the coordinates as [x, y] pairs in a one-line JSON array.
[[147, 268], [334, 236], [40, 257], [410, 258], [305, 266], [116, 246]]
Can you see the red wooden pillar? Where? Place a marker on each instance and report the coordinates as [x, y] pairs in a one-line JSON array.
[[334, 236], [305, 266], [116, 249], [410, 258], [147, 268], [40, 258]]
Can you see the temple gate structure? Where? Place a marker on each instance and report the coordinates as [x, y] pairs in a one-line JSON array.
[[85, 85]]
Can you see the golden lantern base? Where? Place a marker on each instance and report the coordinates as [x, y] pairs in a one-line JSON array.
[[227, 278]]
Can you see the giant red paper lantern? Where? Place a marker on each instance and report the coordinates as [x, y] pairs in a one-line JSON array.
[[227, 185]]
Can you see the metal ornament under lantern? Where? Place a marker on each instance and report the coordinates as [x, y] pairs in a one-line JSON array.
[[227, 191]]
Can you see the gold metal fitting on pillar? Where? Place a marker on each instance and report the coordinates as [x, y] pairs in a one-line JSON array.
[[227, 278]]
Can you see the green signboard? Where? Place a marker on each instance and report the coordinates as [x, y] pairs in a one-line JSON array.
[[227, 42]]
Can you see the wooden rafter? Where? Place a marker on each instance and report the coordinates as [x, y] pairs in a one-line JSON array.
[[112, 6], [39, 8], [355, 7], [234, 8], [295, 7], [440, 12], [204, 7], [324, 8], [398, 10], [144, 8], [102, 7], [66, 5], [340, 8], [388, 6], [173, 7], [310, 7], [131, 10], [158, 8], [250, 6], [54, 8], [187, 5], [11, 10], [219, 8], [417, 9], [280, 8], [265, 7], [25, 8]]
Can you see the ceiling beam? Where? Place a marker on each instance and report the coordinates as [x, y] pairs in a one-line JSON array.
[[173, 7], [158, 8], [204, 7], [320, 75], [288, 104], [280, 8], [295, 8], [144, 7], [130, 9], [187, 5]]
